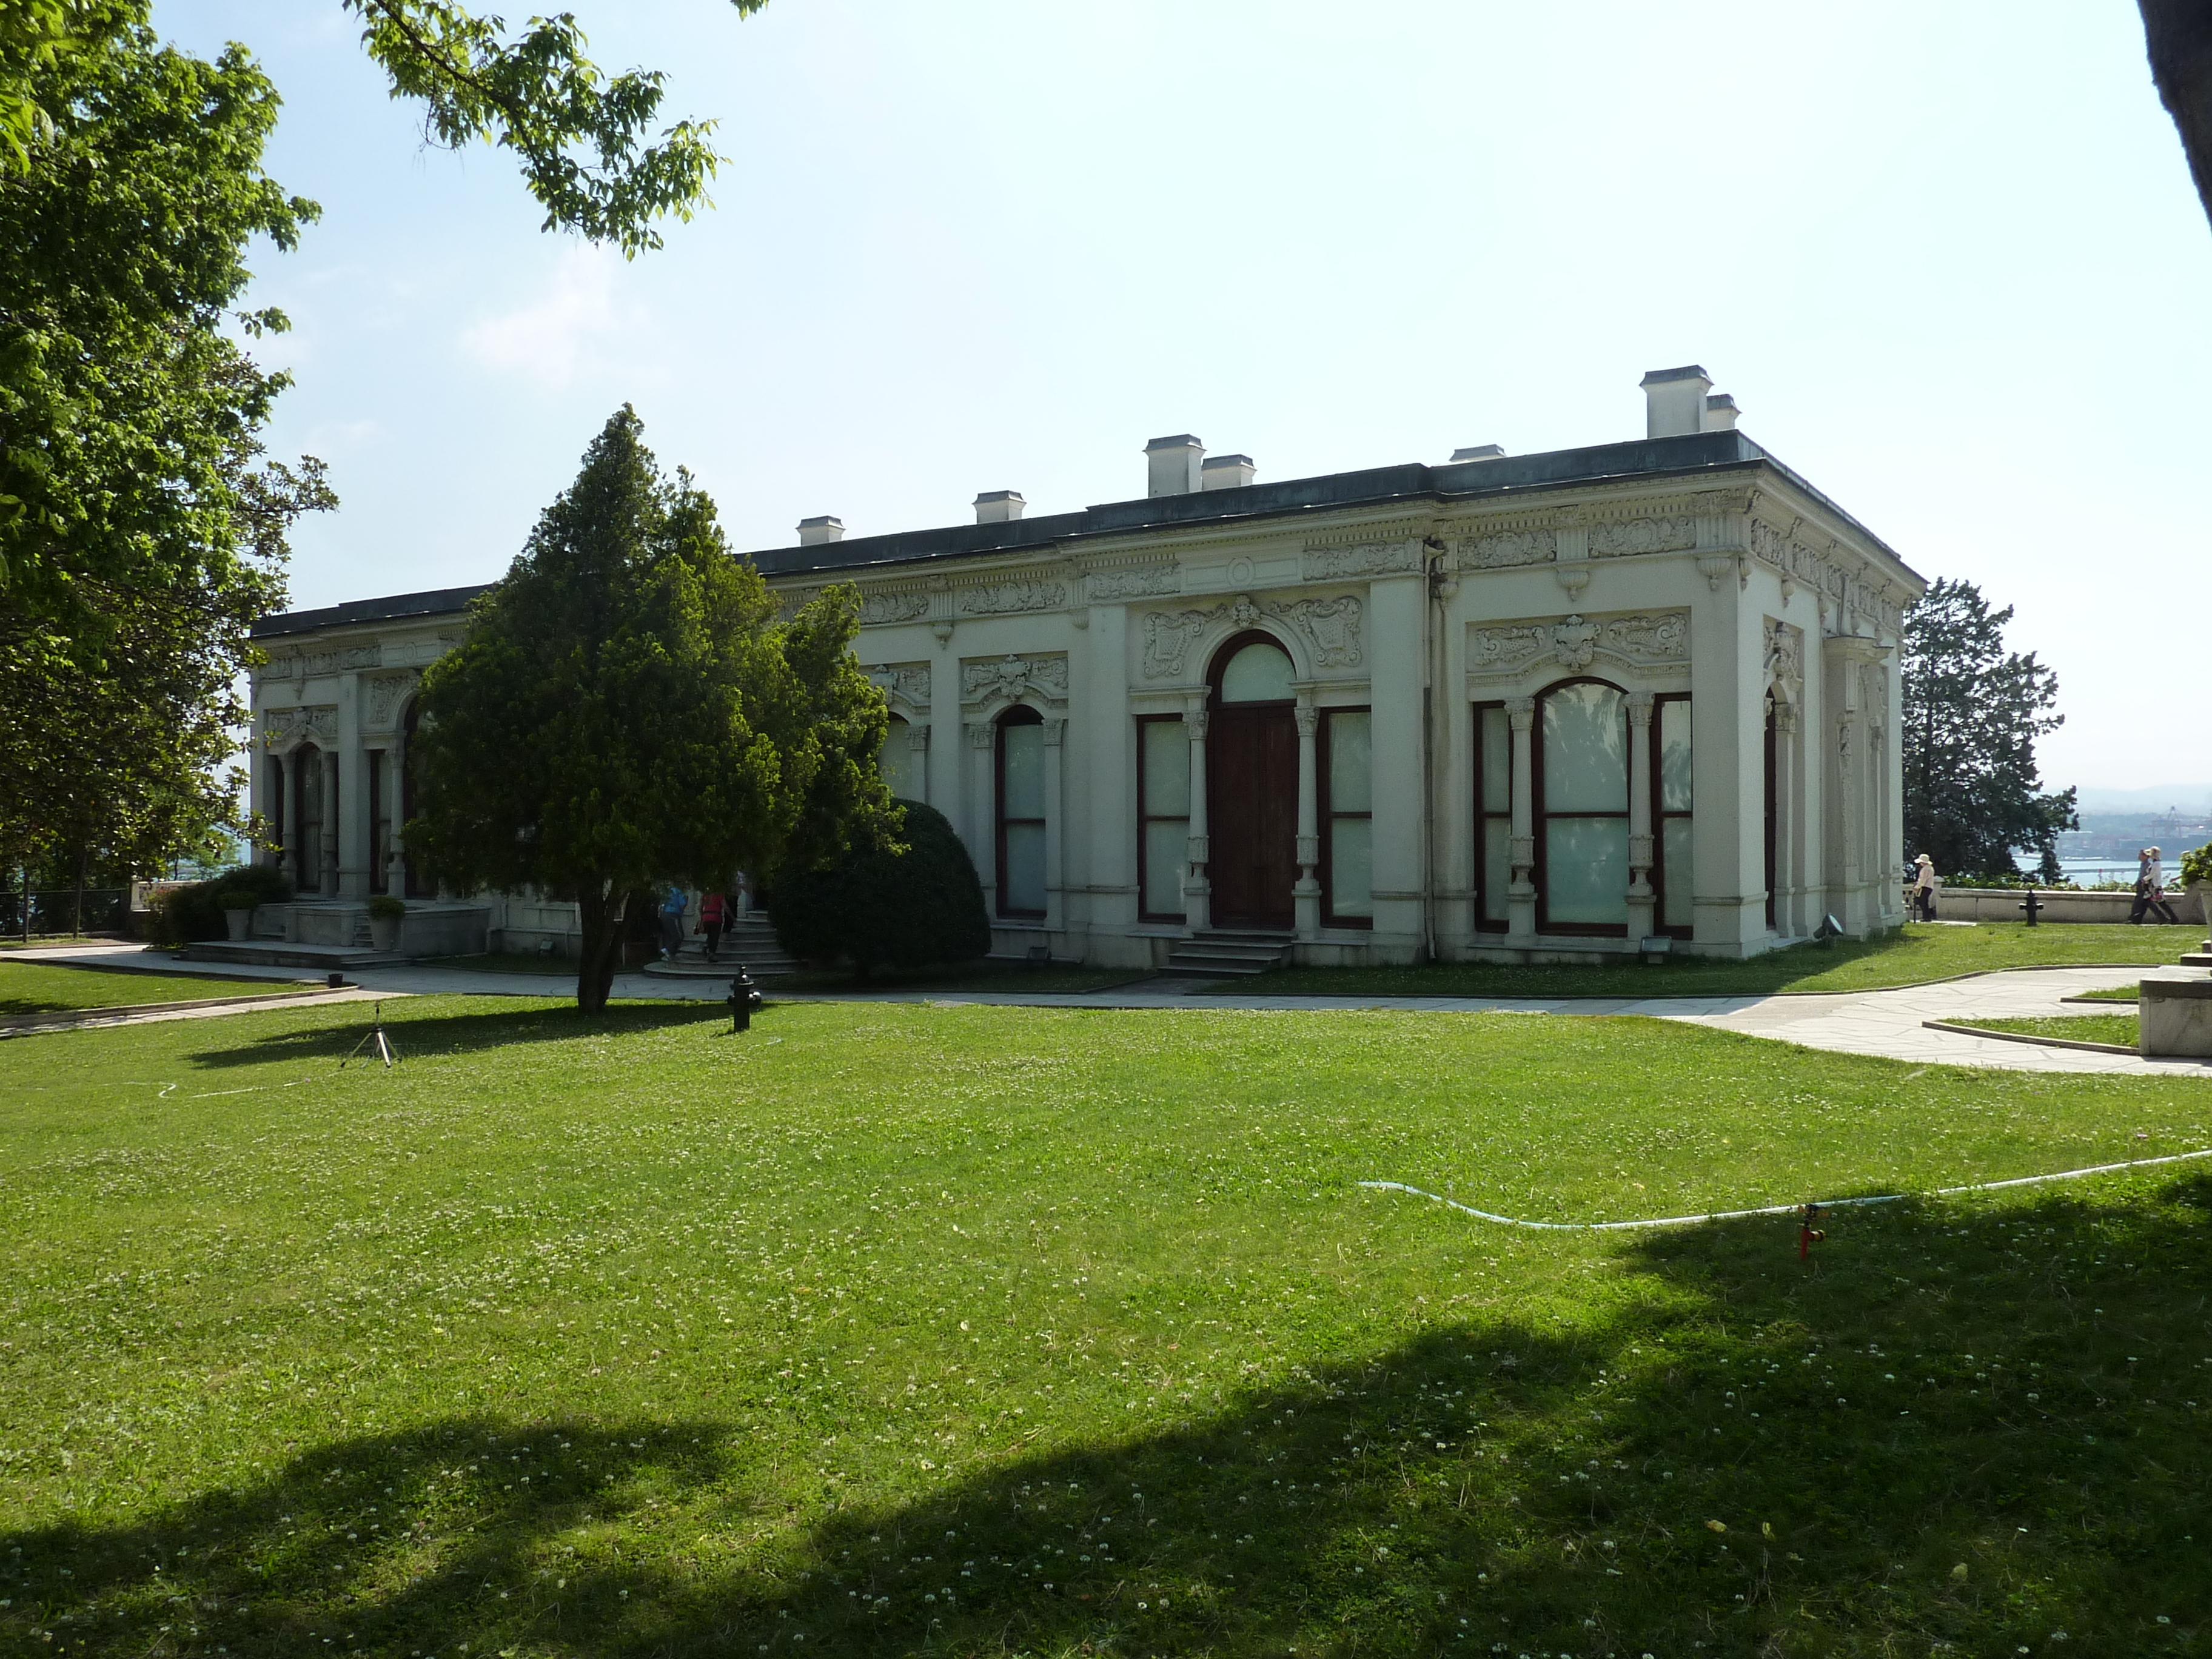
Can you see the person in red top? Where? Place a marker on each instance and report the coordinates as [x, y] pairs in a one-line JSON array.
[[712, 915]]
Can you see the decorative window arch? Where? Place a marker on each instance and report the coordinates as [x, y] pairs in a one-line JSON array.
[[1253, 666], [1581, 769], [900, 761], [1021, 809]]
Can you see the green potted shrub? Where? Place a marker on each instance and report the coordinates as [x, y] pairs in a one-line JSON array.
[[237, 912], [386, 916], [2196, 879]]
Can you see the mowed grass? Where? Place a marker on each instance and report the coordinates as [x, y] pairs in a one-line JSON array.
[[32, 988], [891, 1329], [1917, 953], [2080, 1028]]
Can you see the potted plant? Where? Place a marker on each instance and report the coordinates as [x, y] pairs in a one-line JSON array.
[[2196, 879], [237, 912], [385, 914]]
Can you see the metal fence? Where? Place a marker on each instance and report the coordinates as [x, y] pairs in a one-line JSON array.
[[107, 910]]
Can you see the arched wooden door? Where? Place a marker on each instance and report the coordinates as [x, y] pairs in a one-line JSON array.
[[1252, 785]]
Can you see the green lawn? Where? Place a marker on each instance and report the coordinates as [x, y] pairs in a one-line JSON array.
[[1921, 952], [32, 988], [2117, 993], [892, 1328], [2081, 1028], [40, 941]]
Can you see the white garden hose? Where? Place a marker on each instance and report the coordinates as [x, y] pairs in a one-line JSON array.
[[1778, 1209]]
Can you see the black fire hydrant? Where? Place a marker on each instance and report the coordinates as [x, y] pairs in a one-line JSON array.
[[745, 997]]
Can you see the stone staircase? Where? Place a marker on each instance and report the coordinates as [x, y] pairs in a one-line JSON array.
[[751, 942], [1225, 954]]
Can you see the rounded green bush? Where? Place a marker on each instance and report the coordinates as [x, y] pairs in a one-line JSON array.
[[878, 909]]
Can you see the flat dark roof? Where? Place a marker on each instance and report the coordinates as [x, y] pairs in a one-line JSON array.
[[438, 602], [1713, 453]]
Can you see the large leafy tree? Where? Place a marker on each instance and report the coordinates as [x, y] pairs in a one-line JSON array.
[[141, 530], [2178, 36], [627, 710], [584, 139], [124, 402], [1973, 712]]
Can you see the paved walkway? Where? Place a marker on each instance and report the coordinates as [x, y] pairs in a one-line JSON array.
[[1881, 1022]]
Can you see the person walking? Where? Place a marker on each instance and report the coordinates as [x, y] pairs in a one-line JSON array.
[[713, 912], [2150, 888], [1923, 888], [672, 923]]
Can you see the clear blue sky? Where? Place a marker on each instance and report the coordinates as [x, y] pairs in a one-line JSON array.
[[1946, 257]]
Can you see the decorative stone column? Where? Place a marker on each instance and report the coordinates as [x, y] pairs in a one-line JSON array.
[[1642, 901], [1055, 901], [272, 808], [1197, 891], [395, 803], [1306, 895], [917, 739], [982, 738], [1789, 821], [330, 848], [1520, 894]]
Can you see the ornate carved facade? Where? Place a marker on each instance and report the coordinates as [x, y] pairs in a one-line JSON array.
[[1551, 706]]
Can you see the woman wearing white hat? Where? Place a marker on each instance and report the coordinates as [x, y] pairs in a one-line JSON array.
[[1923, 888]]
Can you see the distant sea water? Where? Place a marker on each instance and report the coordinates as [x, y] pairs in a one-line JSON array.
[[2087, 872]]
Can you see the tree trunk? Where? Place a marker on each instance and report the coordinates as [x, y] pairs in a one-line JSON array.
[[76, 914], [600, 919], [2178, 35]]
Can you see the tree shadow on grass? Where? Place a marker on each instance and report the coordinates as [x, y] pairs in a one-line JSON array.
[[417, 1031], [1953, 1430]]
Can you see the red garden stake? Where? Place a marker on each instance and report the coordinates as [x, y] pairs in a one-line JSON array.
[[1808, 1234]]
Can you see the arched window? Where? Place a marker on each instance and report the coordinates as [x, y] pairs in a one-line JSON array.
[[1582, 808], [1021, 812], [1259, 672], [901, 762]]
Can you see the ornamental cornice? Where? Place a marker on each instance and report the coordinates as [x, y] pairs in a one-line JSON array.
[[307, 662], [1641, 639], [905, 686], [1042, 675], [283, 729], [1331, 627]]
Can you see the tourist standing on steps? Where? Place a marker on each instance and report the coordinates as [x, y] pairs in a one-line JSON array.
[[1923, 888], [2150, 888], [712, 913], [671, 924]]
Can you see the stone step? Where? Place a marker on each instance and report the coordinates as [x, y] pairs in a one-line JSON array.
[[1219, 954], [276, 953]]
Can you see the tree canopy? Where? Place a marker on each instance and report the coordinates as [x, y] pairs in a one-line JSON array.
[[1973, 712], [584, 138], [906, 906], [141, 530], [627, 710], [2178, 34]]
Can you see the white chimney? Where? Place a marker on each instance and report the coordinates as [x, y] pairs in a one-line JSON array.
[[1674, 401], [1225, 472], [1479, 453], [1720, 413], [1171, 465], [812, 532], [999, 506]]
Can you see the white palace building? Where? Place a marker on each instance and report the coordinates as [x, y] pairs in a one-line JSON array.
[[1564, 706]]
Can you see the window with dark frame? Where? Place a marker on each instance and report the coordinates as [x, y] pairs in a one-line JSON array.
[[1672, 876], [1163, 816], [1493, 818], [379, 824], [1580, 808], [1347, 817], [1021, 812]]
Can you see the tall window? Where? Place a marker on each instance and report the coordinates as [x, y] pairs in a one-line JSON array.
[[307, 819], [1774, 824], [1163, 814], [1021, 812], [1670, 783], [901, 762], [379, 824], [1493, 816], [1581, 809], [1348, 817]]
